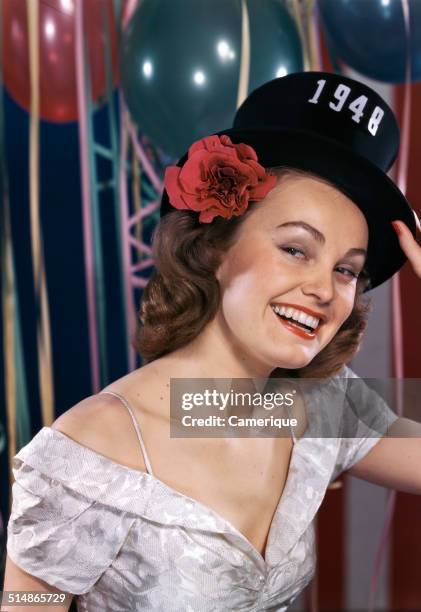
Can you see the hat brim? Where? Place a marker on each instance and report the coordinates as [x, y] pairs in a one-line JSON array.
[[377, 196]]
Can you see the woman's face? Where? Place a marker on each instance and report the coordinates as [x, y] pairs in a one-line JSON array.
[[303, 245]]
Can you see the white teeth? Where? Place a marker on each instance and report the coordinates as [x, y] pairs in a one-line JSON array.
[[309, 321], [302, 317], [297, 315]]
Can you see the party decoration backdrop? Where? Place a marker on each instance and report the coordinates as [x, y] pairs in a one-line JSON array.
[[58, 97], [370, 36], [80, 195], [180, 63]]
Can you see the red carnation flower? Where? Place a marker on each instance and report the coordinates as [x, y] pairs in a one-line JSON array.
[[218, 179]]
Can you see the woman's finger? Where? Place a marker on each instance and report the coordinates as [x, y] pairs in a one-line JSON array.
[[410, 246]]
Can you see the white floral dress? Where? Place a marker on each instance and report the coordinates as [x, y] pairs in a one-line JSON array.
[[122, 540]]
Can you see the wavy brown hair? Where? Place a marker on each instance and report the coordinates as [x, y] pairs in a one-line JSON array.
[[183, 294]]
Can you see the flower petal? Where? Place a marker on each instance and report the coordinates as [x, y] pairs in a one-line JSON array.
[[245, 151], [196, 146], [226, 140], [218, 179], [172, 187], [262, 189], [258, 169], [207, 216]]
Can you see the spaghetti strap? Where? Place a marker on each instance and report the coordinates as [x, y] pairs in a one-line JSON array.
[[137, 428]]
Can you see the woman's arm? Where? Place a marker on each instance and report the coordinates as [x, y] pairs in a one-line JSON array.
[[15, 579], [395, 461]]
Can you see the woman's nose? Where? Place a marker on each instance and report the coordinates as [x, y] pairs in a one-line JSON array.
[[320, 284]]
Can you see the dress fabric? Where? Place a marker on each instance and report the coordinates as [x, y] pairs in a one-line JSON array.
[[122, 540]]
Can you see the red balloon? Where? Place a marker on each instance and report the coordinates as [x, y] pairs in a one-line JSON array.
[[58, 94]]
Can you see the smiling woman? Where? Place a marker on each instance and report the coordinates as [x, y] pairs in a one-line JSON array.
[[277, 256], [270, 235]]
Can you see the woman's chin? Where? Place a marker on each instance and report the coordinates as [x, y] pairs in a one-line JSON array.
[[296, 361]]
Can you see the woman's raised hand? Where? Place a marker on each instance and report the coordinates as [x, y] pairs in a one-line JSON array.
[[410, 246]]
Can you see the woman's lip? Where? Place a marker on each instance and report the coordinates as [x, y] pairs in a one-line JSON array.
[[295, 330]]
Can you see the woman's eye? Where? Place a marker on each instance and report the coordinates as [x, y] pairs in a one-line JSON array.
[[349, 272], [289, 249], [293, 251]]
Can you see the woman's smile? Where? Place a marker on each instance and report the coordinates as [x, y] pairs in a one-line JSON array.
[[293, 326]]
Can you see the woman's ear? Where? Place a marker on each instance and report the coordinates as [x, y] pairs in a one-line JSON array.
[[218, 273], [220, 270]]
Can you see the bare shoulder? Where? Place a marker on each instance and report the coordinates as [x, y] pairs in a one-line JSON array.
[[92, 415], [102, 423]]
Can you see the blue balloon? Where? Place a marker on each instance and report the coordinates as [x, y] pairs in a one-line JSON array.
[[180, 63], [370, 36]]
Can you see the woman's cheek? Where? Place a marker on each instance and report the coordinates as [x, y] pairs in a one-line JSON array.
[[348, 300]]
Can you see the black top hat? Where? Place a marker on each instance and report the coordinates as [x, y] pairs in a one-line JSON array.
[[341, 130]]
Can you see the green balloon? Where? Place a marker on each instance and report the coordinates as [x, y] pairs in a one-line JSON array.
[[180, 64]]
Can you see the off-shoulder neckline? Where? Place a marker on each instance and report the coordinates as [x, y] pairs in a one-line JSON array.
[[182, 496], [144, 495]]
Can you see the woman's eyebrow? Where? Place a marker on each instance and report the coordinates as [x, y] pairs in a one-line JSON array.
[[317, 235]]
